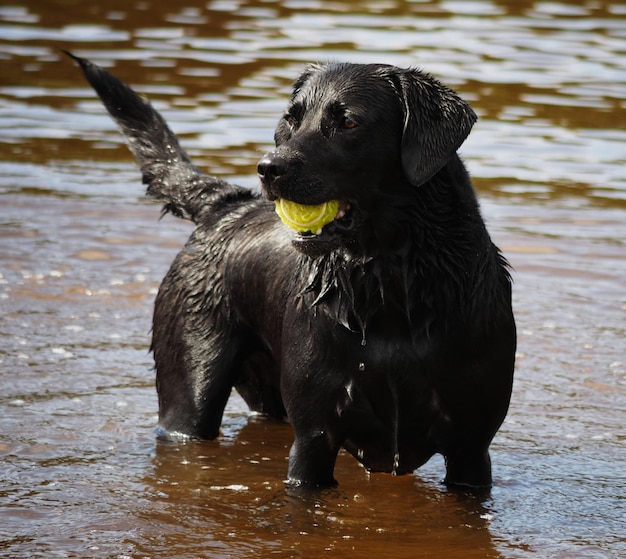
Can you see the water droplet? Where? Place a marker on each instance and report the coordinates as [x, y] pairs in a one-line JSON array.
[[396, 463]]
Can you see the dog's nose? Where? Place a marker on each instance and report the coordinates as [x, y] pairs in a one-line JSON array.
[[270, 167]]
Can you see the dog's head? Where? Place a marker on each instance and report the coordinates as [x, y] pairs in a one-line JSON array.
[[358, 134]]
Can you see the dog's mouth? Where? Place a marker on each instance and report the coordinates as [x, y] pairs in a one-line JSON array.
[[341, 219], [326, 232]]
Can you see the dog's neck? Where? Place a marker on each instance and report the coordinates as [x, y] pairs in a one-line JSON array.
[[423, 278], [361, 294]]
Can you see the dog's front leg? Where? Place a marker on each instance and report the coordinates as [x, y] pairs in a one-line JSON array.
[[312, 460], [308, 397], [468, 468]]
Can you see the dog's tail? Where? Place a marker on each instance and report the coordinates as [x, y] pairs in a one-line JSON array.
[[171, 177]]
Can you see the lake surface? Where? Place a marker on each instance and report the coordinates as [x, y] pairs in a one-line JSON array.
[[82, 253]]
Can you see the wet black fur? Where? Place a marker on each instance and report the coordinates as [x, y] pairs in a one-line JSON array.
[[390, 334]]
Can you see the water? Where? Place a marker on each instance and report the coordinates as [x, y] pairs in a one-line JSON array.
[[82, 253]]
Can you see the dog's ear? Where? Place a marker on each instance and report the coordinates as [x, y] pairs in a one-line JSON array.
[[436, 123]]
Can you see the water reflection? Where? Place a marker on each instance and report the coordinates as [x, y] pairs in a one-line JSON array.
[[82, 253], [232, 491], [548, 73]]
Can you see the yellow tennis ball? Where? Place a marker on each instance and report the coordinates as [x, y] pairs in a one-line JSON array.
[[304, 217]]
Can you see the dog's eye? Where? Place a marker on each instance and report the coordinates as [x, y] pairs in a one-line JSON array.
[[294, 114], [348, 123]]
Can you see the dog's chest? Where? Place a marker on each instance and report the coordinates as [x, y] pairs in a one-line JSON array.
[[386, 404], [387, 371]]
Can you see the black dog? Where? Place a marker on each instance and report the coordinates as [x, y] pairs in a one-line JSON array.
[[390, 332]]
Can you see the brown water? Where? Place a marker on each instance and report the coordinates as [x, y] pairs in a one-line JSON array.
[[82, 253]]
